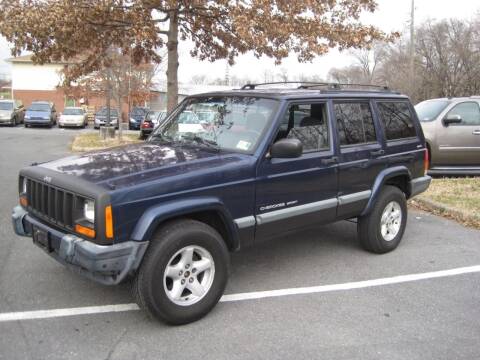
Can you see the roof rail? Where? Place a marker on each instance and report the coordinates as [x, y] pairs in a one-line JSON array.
[[345, 86], [253, 86], [314, 84]]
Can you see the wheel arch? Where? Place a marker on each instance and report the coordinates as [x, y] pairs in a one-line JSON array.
[[210, 211], [398, 176]]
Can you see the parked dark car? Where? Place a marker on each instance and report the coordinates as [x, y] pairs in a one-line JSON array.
[[101, 118], [12, 112], [168, 211], [151, 121], [137, 115], [41, 113]]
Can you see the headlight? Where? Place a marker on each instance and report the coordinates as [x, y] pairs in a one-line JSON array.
[[24, 186], [133, 120], [27, 117], [89, 211]]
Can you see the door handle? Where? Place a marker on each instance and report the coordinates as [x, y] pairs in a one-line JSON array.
[[332, 160], [476, 132], [378, 152]]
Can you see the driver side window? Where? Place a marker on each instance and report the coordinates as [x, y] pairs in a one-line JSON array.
[[468, 111], [307, 123]]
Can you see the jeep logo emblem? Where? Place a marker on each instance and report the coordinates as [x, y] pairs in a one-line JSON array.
[[47, 179]]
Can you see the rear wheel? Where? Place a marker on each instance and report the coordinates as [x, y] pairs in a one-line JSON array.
[[382, 230], [184, 272]]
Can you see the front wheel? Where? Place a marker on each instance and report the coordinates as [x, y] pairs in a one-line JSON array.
[[184, 272], [382, 230]]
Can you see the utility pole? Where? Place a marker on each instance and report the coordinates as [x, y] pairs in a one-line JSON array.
[[412, 48]]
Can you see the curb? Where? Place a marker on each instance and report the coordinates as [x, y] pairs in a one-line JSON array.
[[447, 211]]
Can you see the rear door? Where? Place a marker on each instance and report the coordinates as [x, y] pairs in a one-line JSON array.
[[299, 192], [361, 154], [459, 144]]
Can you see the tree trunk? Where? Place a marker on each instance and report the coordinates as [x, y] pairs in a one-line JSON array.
[[172, 66]]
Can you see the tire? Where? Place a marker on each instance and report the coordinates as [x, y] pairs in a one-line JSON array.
[[14, 122], [154, 290], [26, 125], [380, 239]]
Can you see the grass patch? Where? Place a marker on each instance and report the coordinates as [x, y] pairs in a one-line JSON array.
[[92, 141], [455, 198]]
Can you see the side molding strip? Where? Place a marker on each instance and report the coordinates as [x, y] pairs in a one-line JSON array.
[[350, 198], [245, 222], [296, 210]]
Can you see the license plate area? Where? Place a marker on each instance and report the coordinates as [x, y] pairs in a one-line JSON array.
[[41, 238]]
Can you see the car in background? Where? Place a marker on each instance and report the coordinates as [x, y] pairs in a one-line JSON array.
[[12, 112], [137, 115], [73, 117], [452, 132], [101, 118], [151, 121], [41, 113]]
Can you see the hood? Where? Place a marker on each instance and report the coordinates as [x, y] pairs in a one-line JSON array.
[[104, 117], [37, 113], [71, 117], [138, 163], [5, 113]]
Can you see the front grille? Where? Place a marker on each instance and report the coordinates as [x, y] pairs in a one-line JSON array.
[[51, 203]]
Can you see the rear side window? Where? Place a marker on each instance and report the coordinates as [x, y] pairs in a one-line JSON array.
[[355, 123], [397, 118]]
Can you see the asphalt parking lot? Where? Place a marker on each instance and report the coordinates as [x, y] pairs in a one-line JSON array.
[[425, 317]]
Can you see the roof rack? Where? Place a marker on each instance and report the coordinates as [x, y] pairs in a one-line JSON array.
[[312, 84]]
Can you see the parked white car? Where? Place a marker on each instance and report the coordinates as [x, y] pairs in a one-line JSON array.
[[73, 116]]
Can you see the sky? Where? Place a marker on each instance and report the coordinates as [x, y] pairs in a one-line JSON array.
[[391, 15]]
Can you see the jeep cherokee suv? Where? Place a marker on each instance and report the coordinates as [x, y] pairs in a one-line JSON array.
[[167, 212]]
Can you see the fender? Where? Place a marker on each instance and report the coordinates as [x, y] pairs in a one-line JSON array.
[[382, 177], [155, 215]]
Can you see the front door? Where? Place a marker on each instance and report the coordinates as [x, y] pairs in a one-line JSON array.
[[294, 193], [459, 144]]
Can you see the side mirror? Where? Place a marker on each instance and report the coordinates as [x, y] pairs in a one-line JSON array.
[[452, 119], [286, 148]]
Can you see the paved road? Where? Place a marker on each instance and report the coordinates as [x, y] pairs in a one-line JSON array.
[[428, 319]]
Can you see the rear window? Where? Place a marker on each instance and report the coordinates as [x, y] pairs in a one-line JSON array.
[[397, 118], [355, 123], [72, 111]]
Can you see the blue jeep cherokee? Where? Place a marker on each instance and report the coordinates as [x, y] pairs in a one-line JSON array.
[[248, 165]]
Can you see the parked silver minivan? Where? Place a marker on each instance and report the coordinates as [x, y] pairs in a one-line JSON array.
[[452, 131]]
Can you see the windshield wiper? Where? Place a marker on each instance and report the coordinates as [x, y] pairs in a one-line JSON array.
[[200, 140], [161, 137]]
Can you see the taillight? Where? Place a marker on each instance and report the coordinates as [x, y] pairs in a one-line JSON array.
[[426, 160]]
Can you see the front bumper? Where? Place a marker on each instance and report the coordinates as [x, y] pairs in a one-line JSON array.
[[6, 121], [37, 121], [106, 264]]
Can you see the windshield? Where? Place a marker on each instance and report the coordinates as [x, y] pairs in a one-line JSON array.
[[430, 109], [6, 106], [103, 112], [73, 112], [231, 122], [39, 107]]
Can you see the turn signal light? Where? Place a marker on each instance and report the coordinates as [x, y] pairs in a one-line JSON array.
[[108, 222], [23, 201], [85, 231]]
